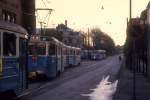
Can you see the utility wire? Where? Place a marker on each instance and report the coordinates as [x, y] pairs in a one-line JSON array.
[[38, 17], [44, 3], [48, 19], [47, 1]]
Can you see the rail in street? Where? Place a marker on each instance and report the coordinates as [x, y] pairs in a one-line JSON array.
[[76, 81]]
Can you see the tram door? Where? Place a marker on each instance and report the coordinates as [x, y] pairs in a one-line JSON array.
[[58, 59], [23, 63], [62, 59]]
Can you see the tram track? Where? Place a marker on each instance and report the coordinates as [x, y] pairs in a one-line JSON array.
[[68, 75]]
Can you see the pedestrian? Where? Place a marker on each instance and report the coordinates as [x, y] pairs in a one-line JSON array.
[[120, 58]]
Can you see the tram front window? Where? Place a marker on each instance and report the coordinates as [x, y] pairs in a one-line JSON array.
[[32, 49], [9, 44], [37, 49], [41, 49], [52, 49]]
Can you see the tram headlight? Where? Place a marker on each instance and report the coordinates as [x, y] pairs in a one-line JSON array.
[[26, 36]]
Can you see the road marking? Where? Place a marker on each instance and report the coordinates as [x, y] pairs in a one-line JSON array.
[[104, 91]]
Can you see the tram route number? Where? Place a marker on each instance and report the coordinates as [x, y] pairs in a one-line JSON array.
[[1, 67]]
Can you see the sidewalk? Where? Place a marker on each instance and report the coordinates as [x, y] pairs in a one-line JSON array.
[[125, 86]]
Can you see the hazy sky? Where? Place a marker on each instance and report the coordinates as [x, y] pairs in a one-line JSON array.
[[82, 14]]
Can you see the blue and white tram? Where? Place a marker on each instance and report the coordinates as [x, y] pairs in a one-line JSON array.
[[85, 54], [59, 54], [77, 56], [45, 57], [98, 54], [64, 56], [68, 53], [74, 57], [13, 46]]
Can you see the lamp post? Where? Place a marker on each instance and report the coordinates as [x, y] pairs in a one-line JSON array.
[[130, 10], [148, 41], [133, 54], [88, 44]]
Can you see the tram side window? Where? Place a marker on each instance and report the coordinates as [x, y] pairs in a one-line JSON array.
[[37, 49], [31, 49], [52, 49], [78, 53], [9, 44], [64, 51], [41, 49], [67, 52]]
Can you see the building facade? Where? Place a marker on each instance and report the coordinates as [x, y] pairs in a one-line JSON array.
[[148, 33], [69, 36], [72, 38], [21, 12]]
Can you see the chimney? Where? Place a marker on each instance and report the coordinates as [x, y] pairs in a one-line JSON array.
[[66, 22]]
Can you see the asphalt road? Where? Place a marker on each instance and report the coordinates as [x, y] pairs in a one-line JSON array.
[[75, 81]]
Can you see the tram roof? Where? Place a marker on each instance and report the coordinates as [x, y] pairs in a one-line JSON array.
[[51, 39], [94, 50], [102, 51], [57, 41], [12, 27], [71, 47]]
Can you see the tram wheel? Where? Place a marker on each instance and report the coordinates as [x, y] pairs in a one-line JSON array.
[[33, 76]]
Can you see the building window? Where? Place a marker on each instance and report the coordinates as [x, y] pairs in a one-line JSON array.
[[9, 43], [8, 16], [13, 19], [4, 16]]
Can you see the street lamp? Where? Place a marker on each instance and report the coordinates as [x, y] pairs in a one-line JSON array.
[[88, 35], [133, 56], [148, 36], [130, 9]]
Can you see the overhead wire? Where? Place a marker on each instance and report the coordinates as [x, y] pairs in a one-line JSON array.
[[44, 3], [46, 18], [47, 1], [38, 17]]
